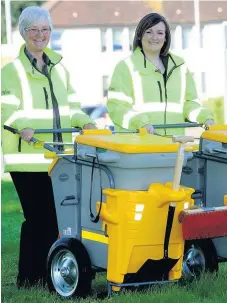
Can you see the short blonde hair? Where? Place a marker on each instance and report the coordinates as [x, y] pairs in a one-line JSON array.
[[33, 15]]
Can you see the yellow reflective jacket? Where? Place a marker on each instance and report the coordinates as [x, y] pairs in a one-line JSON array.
[[26, 101], [139, 94]]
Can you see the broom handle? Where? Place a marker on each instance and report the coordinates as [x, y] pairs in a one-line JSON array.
[[179, 161]]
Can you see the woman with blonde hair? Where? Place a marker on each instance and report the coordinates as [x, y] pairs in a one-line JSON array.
[[36, 94]]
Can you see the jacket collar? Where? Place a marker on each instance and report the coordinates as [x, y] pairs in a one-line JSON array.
[[51, 57], [170, 62], [34, 60]]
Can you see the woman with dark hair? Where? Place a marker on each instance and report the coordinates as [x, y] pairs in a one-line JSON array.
[[153, 86]]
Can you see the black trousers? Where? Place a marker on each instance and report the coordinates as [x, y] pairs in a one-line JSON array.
[[39, 230]]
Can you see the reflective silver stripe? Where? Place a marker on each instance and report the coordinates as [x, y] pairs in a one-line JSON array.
[[159, 107], [72, 98], [127, 117], [137, 83], [17, 115], [64, 110], [151, 107], [26, 92], [10, 99], [62, 73], [25, 159], [37, 114], [194, 114], [120, 96]]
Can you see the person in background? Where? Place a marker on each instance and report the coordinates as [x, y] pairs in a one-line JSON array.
[[36, 94], [153, 86]]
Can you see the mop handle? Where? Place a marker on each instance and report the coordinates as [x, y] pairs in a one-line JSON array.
[[180, 159]]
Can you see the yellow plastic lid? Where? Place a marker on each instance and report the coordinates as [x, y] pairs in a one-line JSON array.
[[216, 133], [130, 143]]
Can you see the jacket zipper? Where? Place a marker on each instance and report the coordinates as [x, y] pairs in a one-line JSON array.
[[160, 91], [59, 135], [166, 97], [46, 97], [161, 99]]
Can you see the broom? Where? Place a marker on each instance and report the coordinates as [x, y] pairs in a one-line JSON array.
[[203, 223]]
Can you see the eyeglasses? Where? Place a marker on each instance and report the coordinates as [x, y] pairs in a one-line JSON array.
[[35, 31]]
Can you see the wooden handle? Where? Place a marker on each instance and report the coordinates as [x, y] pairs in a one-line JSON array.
[[183, 139], [178, 168], [179, 161]]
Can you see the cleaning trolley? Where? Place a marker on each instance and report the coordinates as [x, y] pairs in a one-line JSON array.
[[117, 212], [123, 206]]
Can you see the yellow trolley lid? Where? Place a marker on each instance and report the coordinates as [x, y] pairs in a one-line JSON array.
[[130, 143], [216, 133]]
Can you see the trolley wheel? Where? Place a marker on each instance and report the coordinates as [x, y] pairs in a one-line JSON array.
[[69, 270], [199, 257]]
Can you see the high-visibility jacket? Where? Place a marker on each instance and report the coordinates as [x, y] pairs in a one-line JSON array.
[[140, 95], [26, 102]]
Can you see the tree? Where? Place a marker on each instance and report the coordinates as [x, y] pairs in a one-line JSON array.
[[16, 9]]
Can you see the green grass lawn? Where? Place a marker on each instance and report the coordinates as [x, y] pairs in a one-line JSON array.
[[210, 289]]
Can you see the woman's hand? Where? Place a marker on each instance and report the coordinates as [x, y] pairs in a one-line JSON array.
[[149, 128], [209, 122], [26, 134], [89, 126]]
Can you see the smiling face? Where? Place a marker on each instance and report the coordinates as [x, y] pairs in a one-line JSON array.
[[154, 38], [37, 37]]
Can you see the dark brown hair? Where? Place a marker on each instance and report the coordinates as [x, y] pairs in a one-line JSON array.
[[147, 22]]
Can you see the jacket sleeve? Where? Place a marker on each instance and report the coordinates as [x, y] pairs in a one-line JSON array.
[[77, 116], [193, 111], [10, 96], [121, 99]]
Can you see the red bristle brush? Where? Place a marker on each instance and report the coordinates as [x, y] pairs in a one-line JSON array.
[[204, 223]]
